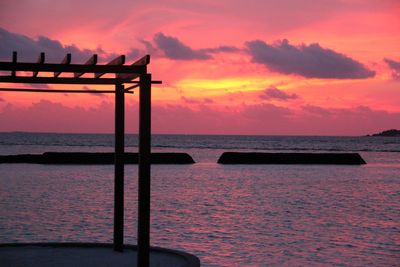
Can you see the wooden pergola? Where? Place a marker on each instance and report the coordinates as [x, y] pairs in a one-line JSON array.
[[124, 78]]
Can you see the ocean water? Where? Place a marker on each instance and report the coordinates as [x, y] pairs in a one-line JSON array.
[[241, 215]]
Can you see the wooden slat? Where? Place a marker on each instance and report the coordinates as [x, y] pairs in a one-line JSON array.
[[14, 60], [66, 61], [116, 61], [130, 76], [132, 87], [91, 62], [39, 61]]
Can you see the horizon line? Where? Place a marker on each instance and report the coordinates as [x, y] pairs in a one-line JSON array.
[[187, 134]]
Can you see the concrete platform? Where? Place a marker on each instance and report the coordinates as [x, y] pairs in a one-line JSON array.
[[291, 158], [84, 158], [87, 254]]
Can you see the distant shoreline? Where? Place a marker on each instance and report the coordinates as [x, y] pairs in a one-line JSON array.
[[391, 133], [200, 134]]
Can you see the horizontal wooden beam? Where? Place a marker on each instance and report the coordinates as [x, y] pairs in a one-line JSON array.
[[61, 80], [36, 90], [50, 67]]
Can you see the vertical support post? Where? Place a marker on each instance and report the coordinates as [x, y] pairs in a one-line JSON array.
[[143, 258], [14, 60], [119, 168]]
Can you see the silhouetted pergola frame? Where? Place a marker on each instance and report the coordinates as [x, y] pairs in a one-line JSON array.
[[134, 75]]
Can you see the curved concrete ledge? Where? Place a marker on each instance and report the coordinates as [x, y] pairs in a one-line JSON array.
[[291, 158], [88, 255], [94, 158]]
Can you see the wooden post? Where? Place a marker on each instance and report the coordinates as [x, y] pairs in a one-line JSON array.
[[143, 258], [14, 60], [119, 168]]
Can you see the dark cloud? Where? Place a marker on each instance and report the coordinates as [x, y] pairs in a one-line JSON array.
[[29, 49], [265, 112], [103, 56], [195, 101], [316, 110], [311, 61], [149, 46], [86, 88], [275, 93], [134, 54], [350, 114], [395, 67], [208, 101], [175, 49], [221, 49], [189, 100]]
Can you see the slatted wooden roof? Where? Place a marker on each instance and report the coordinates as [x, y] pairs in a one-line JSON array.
[[51, 73]]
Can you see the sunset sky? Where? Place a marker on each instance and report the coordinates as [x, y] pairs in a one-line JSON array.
[[287, 67]]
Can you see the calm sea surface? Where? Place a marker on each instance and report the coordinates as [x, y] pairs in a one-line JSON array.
[[243, 215]]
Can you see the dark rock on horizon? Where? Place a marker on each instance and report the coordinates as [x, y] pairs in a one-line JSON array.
[[392, 132], [290, 158], [84, 158]]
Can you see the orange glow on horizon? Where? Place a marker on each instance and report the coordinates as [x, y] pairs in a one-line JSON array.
[[206, 64]]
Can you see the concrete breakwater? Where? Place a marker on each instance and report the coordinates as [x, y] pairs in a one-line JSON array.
[[290, 158], [83, 158]]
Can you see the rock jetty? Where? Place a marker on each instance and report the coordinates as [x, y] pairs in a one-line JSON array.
[[392, 132], [290, 158], [84, 158]]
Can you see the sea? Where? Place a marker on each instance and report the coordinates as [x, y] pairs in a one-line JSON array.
[[227, 215]]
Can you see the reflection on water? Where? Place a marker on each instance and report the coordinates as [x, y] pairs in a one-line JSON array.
[[226, 215]]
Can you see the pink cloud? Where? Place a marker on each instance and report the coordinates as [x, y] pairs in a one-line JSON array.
[[195, 101], [359, 120], [316, 110], [274, 13], [266, 112], [275, 93], [264, 119], [55, 117]]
